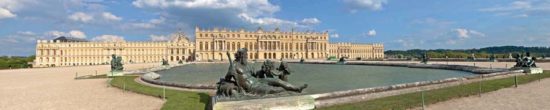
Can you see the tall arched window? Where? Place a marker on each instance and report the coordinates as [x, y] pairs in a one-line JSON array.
[[200, 46]]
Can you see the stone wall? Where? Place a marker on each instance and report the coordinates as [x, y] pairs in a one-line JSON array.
[[358, 95], [472, 69], [153, 80]]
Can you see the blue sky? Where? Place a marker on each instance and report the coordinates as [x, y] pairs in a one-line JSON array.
[[399, 24]]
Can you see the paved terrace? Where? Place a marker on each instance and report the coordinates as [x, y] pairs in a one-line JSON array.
[[55, 88]]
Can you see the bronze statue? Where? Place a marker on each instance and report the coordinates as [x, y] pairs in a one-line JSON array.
[[525, 61], [424, 58], [285, 71], [268, 71], [240, 79], [342, 60], [493, 58], [165, 62], [116, 63]]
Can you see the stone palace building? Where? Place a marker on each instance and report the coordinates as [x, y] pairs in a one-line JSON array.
[[209, 45], [66, 51]]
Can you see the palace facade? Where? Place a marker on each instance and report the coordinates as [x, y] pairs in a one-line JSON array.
[[66, 51], [356, 51], [214, 43], [209, 44]]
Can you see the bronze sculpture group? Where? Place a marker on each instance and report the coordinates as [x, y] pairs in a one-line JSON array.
[[116, 63], [241, 79], [165, 62], [342, 60], [525, 60]]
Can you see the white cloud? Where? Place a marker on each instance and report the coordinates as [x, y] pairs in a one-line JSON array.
[[516, 5], [91, 16], [251, 7], [72, 33], [213, 13], [335, 35], [465, 33], [407, 43], [55, 33], [149, 24], [433, 22], [371, 33], [457, 36], [462, 33], [310, 21], [81, 16], [356, 5], [19, 43], [4, 13], [110, 16], [77, 34], [265, 20], [271, 21], [159, 38], [520, 8], [108, 38], [14, 5], [21, 37]]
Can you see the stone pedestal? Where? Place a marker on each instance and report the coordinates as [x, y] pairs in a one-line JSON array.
[[532, 70], [151, 75], [115, 73], [304, 102]]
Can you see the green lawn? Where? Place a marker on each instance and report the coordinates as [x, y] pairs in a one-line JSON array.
[[182, 100], [412, 100], [92, 77], [15, 62], [176, 100]]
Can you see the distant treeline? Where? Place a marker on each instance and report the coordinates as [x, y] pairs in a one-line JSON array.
[[499, 52], [15, 62]]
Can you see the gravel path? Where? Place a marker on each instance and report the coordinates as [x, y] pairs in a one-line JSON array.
[[532, 96], [545, 66], [56, 89]]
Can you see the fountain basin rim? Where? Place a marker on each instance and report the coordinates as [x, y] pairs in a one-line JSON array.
[[472, 69]]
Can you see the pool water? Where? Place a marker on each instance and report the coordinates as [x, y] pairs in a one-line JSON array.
[[320, 78]]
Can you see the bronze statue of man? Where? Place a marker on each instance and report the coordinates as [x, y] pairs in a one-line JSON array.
[[266, 70], [285, 71], [116, 63], [113, 62], [241, 76]]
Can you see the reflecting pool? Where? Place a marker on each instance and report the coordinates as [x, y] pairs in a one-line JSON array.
[[321, 78]]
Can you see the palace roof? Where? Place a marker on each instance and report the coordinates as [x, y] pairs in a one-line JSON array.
[[69, 39]]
